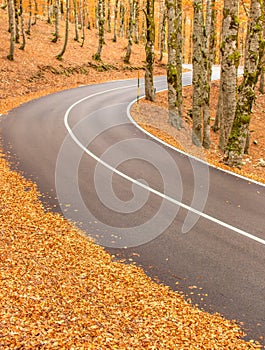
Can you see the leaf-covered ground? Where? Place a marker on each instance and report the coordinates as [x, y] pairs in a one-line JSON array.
[[154, 118], [59, 290]]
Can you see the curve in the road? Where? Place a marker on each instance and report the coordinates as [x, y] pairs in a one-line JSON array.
[[229, 267], [140, 184]]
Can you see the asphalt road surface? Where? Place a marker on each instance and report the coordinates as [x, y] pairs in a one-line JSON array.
[[193, 227]]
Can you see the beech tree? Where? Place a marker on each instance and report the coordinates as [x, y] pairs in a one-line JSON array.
[[115, 21], [130, 33], [255, 44], [76, 38], [101, 22], [11, 17], [229, 65], [60, 55], [208, 59], [149, 50], [162, 29], [199, 74], [56, 21], [22, 26], [174, 66]]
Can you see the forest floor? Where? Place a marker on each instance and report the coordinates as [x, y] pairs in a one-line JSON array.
[[59, 290]]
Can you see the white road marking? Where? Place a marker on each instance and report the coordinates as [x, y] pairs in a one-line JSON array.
[[150, 189]]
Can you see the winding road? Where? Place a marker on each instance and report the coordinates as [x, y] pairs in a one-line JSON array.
[[195, 228]]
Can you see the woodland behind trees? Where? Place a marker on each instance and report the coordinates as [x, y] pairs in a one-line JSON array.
[[201, 32]]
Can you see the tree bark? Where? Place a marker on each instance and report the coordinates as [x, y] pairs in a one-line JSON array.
[[162, 29], [238, 138], [149, 51], [11, 17], [115, 21], [122, 19], [28, 31], [23, 44], [60, 55], [208, 57], [101, 22], [199, 74], [229, 66], [108, 17], [130, 33], [56, 23], [76, 38], [136, 21], [174, 66]]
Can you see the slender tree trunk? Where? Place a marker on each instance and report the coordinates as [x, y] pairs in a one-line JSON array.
[[130, 32], [255, 44], [162, 29], [101, 21], [115, 21], [76, 38], [16, 6], [83, 19], [261, 82], [35, 12], [48, 11], [210, 44], [122, 19], [57, 20], [149, 51], [23, 44], [28, 31], [136, 21], [219, 111], [60, 55], [190, 43], [198, 78], [11, 16], [230, 62], [174, 72], [108, 17]]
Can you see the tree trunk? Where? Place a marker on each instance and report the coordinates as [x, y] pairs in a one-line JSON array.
[[174, 66], [11, 17], [57, 18], [28, 31], [108, 17], [130, 33], [236, 145], [149, 51], [229, 66], [209, 49], [35, 12], [115, 21], [199, 74], [122, 19], [48, 11], [162, 30], [16, 6], [219, 111], [60, 55], [101, 22], [83, 19], [76, 38], [23, 44], [261, 82], [136, 21]]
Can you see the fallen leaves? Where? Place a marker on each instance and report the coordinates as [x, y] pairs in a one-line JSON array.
[[59, 290], [154, 118]]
